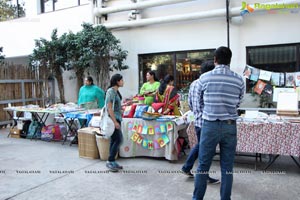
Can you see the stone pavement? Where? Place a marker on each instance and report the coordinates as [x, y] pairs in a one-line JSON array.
[[35, 170]]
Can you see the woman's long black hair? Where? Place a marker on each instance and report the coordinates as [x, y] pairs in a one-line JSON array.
[[114, 81], [163, 85], [152, 73], [90, 79]]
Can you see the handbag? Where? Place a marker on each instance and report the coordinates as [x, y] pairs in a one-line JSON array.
[[107, 126]]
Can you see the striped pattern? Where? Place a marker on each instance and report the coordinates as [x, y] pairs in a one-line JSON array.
[[217, 94], [194, 105]]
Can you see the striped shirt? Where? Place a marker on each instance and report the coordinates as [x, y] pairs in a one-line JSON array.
[[193, 100], [218, 94]]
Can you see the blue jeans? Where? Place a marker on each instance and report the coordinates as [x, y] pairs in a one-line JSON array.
[[115, 142], [213, 133], [193, 155]]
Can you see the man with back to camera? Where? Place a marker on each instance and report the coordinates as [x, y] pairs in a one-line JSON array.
[[220, 92], [193, 100]]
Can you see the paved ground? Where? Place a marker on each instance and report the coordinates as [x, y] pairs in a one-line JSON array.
[[42, 170]]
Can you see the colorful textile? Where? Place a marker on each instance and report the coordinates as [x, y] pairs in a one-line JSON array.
[[149, 87], [170, 98], [91, 93]]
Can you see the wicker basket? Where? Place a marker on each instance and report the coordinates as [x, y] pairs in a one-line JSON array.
[[103, 147], [87, 145]]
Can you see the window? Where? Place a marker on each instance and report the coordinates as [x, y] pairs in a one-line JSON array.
[[52, 5], [184, 66], [273, 58]]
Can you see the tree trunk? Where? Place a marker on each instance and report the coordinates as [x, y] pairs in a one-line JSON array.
[[60, 83], [103, 77], [80, 76]]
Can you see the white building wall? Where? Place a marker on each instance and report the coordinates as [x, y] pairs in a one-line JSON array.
[[258, 28], [17, 36]]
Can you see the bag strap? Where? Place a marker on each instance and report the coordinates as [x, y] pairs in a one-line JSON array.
[[113, 104]]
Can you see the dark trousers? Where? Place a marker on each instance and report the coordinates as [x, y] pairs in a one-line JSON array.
[[115, 142]]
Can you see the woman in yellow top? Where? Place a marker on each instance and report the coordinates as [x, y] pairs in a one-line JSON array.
[[167, 94], [150, 88]]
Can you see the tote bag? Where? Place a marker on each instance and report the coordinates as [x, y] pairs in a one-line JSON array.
[[107, 126]]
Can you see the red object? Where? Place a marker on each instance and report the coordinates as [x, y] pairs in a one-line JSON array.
[[157, 106], [129, 111], [180, 145]]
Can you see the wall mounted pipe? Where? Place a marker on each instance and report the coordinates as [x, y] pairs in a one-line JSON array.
[[169, 19], [185, 17], [135, 6]]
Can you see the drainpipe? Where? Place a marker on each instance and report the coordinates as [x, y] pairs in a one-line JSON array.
[[136, 6], [98, 4], [92, 8], [172, 18], [227, 23], [184, 17]]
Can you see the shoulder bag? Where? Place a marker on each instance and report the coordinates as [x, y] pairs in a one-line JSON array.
[[107, 126]]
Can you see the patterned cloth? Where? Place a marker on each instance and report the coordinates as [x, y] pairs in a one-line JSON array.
[[269, 138], [265, 138], [191, 133]]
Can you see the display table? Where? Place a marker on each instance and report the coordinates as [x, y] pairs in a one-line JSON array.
[[41, 115], [131, 148], [269, 138], [282, 138]]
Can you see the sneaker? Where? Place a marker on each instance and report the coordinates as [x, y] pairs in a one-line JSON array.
[[117, 165], [189, 174], [111, 166], [213, 181]]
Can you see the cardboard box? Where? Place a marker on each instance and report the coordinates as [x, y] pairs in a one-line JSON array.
[[14, 133], [20, 124], [87, 145]]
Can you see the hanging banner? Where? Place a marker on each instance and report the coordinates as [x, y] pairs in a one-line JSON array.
[[165, 138], [260, 85], [289, 79], [247, 72], [145, 130], [135, 127], [254, 74], [297, 79], [156, 145], [151, 130], [265, 75], [163, 128], [145, 144], [150, 145], [157, 129], [140, 129], [277, 79], [169, 126], [160, 129]]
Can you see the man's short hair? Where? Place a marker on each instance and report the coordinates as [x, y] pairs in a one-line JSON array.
[[207, 66], [223, 55]]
